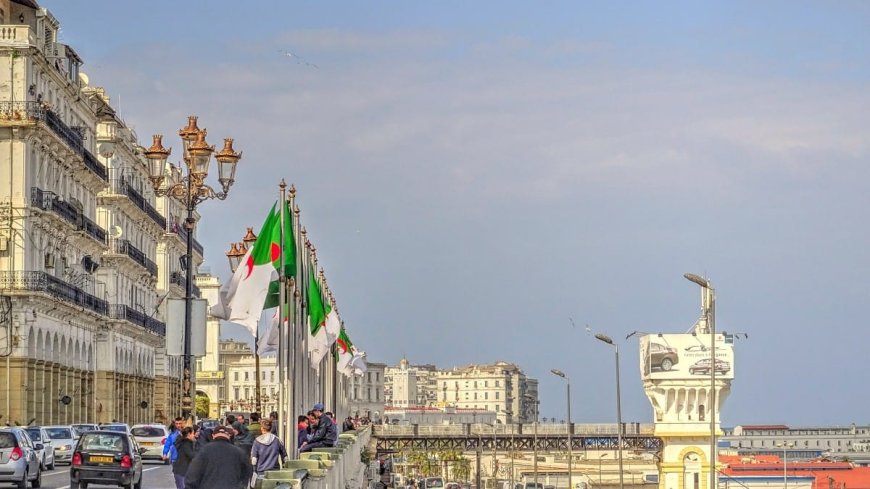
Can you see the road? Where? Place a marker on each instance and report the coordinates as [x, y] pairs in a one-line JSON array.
[[154, 476]]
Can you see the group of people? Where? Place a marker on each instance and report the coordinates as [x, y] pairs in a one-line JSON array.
[[228, 456], [316, 429]]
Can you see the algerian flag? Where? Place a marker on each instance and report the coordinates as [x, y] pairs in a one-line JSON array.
[[260, 268], [324, 325], [226, 293], [269, 341], [358, 362], [344, 354]]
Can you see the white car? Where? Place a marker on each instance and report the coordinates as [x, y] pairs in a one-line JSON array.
[[46, 455], [151, 437], [64, 439]]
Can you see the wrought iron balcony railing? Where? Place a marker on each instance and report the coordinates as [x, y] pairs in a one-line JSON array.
[[125, 247], [179, 279], [181, 231], [49, 201], [127, 313], [45, 282], [121, 186], [36, 111]]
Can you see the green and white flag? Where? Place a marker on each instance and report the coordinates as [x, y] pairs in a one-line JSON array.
[[252, 279], [324, 325]]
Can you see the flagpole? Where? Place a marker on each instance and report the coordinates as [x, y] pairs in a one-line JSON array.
[[291, 380], [283, 420]]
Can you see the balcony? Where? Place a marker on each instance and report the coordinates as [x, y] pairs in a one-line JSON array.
[[57, 288], [180, 279], [49, 201], [123, 187], [17, 36], [36, 111], [127, 313], [179, 229], [125, 247]]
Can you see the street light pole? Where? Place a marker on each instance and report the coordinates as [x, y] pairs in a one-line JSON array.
[[710, 319], [784, 446], [535, 440], [562, 374], [600, 459], [609, 341], [191, 190], [235, 254]]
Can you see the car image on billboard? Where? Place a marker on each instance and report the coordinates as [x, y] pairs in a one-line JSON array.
[[684, 356]]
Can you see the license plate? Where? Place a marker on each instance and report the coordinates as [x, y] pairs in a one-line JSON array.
[[147, 443], [101, 460]]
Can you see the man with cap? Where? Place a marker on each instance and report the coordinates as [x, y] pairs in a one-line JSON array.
[[326, 434], [219, 464]]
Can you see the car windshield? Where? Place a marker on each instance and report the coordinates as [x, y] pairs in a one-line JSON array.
[[59, 433], [34, 433], [82, 428], [115, 427], [102, 442], [145, 431], [7, 440]]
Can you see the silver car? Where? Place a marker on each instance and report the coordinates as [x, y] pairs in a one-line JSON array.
[[18, 460], [46, 455], [64, 439]]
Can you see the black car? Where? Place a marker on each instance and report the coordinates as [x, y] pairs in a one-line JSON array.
[[106, 457]]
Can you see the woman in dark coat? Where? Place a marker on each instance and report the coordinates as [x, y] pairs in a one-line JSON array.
[[185, 445]]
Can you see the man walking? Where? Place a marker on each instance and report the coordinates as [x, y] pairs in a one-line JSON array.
[[219, 465], [268, 452], [170, 453], [325, 435]]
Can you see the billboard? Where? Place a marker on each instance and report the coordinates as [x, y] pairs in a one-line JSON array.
[[684, 356]]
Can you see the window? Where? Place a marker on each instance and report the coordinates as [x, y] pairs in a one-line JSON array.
[[236, 393], [236, 376], [486, 395], [246, 375], [496, 383], [486, 383], [272, 376], [264, 375], [496, 394]]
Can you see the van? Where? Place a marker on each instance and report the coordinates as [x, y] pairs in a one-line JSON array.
[[433, 483]]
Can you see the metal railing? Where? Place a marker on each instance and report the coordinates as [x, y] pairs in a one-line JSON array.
[[181, 231], [180, 280], [44, 282], [121, 186], [36, 111], [49, 201], [125, 247], [127, 313]]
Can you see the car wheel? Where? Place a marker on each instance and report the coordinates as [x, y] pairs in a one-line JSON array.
[[51, 466], [23, 483], [138, 485], [36, 483], [667, 364]]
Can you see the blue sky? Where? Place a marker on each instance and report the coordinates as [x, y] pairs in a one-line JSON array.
[[475, 174]]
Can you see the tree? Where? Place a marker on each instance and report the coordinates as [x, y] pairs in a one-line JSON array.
[[202, 406]]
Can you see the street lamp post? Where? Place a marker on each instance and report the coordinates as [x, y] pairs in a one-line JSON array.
[[785, 446], [562, 374], [609, 341], [710, 320], [191, 190], [234, 255], [535, 440]]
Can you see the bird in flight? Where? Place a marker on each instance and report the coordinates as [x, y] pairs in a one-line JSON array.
[[299, 59]]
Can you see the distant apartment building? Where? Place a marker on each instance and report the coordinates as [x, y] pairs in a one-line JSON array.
[[367, 392], [501, 387]]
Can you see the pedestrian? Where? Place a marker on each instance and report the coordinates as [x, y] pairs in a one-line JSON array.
[[348, 424], [325, 435], [268, 452], [273, 416], [185, 448], [301, 430], [254, 426], [219, 465], [169, 452]]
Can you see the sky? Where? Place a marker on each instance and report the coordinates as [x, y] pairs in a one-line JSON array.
[[476, 176]]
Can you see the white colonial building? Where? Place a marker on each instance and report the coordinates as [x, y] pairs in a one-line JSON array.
[[501, 387]]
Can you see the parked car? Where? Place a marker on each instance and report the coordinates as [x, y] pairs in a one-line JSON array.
[[703, 367], [80, 428], [46, 455], [151, 437], [119, 427], [662, 356], [18, 460], [106, 457], [432, 483], [64, 442]]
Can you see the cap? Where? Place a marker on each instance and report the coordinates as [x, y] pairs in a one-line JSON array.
[[222, 429], [317, 407]]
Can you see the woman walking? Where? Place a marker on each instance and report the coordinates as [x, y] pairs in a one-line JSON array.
[[185, 447]]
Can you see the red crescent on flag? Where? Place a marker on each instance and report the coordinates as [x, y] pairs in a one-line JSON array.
[[342, 344], [250, 266]]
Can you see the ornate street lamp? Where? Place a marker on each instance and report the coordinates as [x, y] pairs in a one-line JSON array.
[[191, 190]]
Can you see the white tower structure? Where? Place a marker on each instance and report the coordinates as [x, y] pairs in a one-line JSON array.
[[686, 388]]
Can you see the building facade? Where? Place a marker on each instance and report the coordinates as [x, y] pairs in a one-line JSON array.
[[242, 377], [87, 252], [366, 392], [501, 387]]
